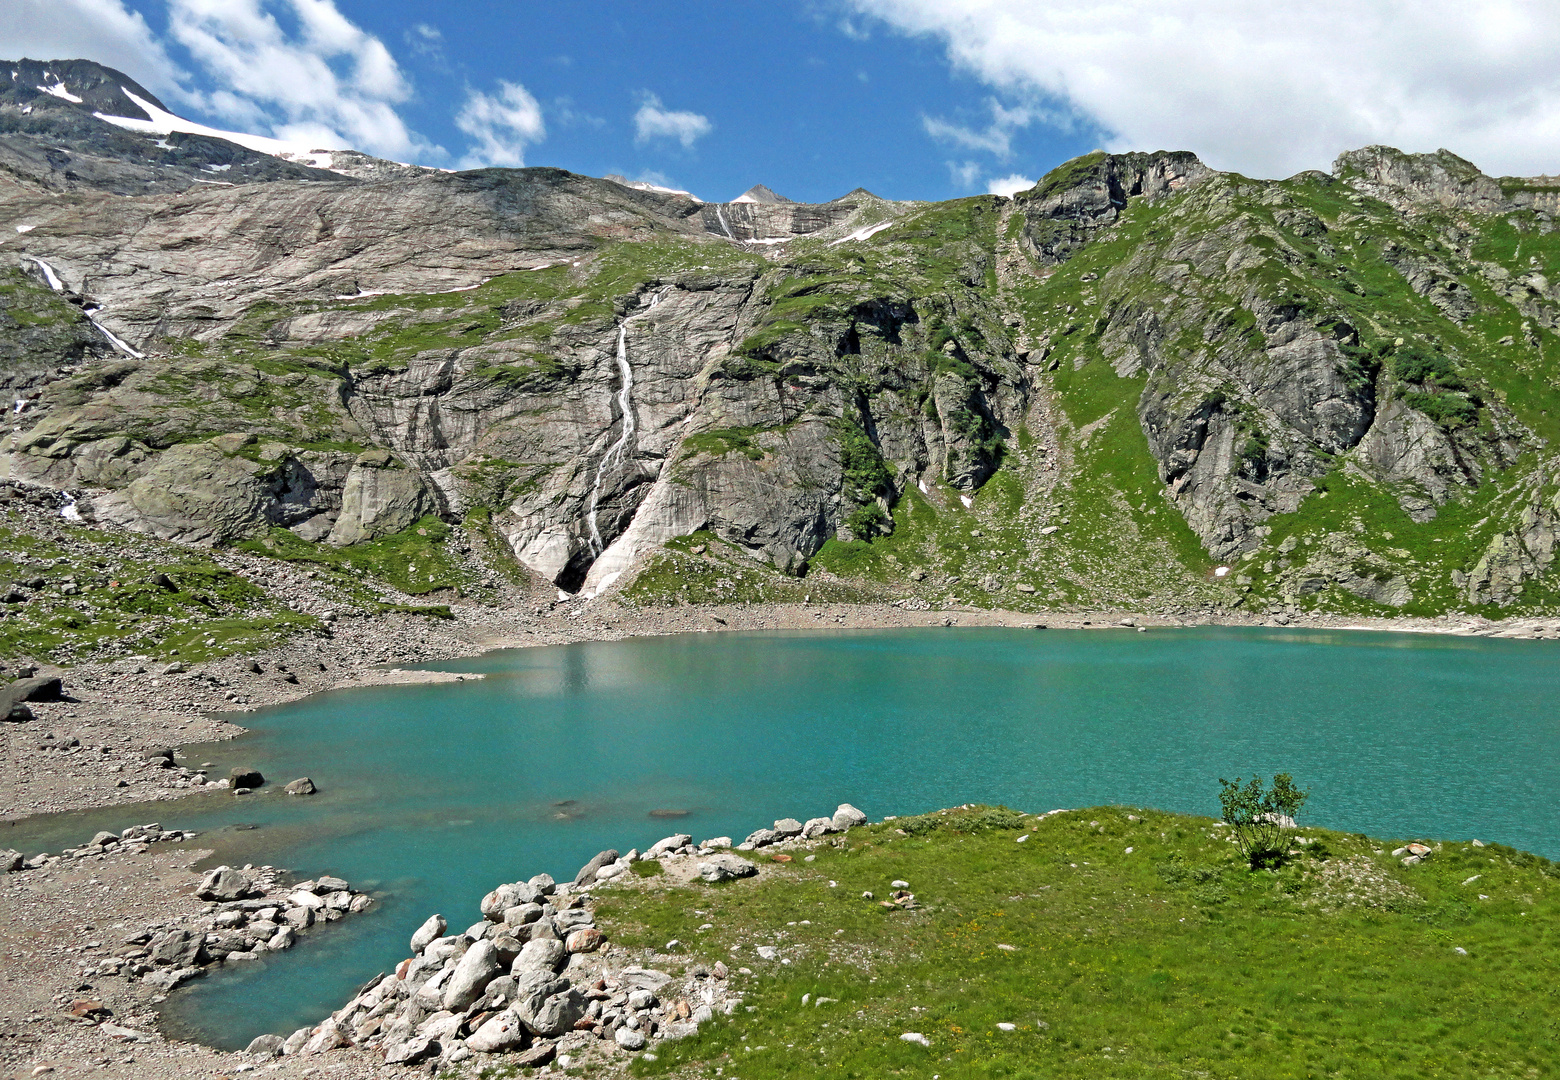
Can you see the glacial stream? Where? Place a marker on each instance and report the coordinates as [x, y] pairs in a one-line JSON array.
[[434, 794]]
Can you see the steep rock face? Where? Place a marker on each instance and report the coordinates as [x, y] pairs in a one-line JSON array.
[[604, 369]]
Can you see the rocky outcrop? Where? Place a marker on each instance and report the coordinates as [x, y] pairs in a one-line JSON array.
[[381, 496]]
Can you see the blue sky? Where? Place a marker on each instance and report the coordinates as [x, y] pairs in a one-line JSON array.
[[912, 99]]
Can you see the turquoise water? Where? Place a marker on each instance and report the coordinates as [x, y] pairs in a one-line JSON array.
[[434, 794]]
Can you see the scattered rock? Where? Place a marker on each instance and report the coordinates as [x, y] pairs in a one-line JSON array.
[[587, 874], [265, 1046], [301, 786], [242, 777], [725, 867]]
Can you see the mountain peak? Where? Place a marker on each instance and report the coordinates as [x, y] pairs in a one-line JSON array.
[[758, 193]]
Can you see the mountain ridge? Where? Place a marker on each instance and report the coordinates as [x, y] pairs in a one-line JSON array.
[[1140, 381]]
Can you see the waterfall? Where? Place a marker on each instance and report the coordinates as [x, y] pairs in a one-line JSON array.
[[58, 286], [721, 214], [625, 399]]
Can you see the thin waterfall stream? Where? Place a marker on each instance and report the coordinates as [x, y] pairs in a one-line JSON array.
[[625, 398], [119, 343]]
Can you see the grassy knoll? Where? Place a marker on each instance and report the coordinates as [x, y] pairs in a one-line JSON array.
[[1141, 946]]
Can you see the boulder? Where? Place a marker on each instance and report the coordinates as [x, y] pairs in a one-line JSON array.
[[629, 1039], [543, 884], [328, 884], [428, 932], [174, 949], [788, 827], [299, 918], [555, 1014], [573, 918], [521, 914], [587, 874], [103, 838], [475, 970], [539, 954], [848, 817], [762, 837], [10, 861], [301, 786], [717, 843], [499, 1034], [586, 939], [381, 497], [671, 843], [37, 688], [725, 867], [168, 978], [14, 712], [265, 1046], [495, 903], [296, 1040], [410, 1051], [224, 883], [305, 899], [328, 1036], [244, 777], [818, 826]]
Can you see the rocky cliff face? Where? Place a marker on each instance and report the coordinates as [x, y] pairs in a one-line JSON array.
[[1103, 390]]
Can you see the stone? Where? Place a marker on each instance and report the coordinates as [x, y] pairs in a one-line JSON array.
[[767, 952], [284, 938], [628, 1039], [544, 954], [265, 1046], [103, 838], [499, 1034], [668, 845], [816, 827], [410, 1051], [587, 874], [478, 967], [381, 496], [428, 932], [725, 867], [573, 918], [540, 1055], [327, 883], [543, 884], [168, 978], [847, 816], [641, 999], [301, 786], [35, 688], [556, 1014], [244, 777], [761, 838], [915, 1037], [495, 903], [717, 843], [788, 827], [305, 899], [10, 861], [299, 918], [296, 1040], [521, 914], [584, 940], [328, 1036], [224, 884], [174, 949]]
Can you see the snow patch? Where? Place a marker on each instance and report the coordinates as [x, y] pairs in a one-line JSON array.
[[58, 90], [163, 122], [863, 233], [967, 501], [771, 240], [25, 228]]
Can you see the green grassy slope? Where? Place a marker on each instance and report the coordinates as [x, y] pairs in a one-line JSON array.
[[1119, 943]]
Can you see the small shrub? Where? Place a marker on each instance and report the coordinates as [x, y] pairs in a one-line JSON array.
[[1258, 816]]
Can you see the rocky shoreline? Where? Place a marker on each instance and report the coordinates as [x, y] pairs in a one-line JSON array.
[[535, 980]]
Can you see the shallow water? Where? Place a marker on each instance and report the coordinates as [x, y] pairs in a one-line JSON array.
[[433, 794]]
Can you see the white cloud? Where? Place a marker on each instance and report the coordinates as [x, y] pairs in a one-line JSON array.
[[654, 122], [997, 137], [965, 174], [1270, 89], [1007, 186], [332, 83], [101, 30], [502, 126]]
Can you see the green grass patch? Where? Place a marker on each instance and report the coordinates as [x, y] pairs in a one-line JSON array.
[[1118, 943]]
